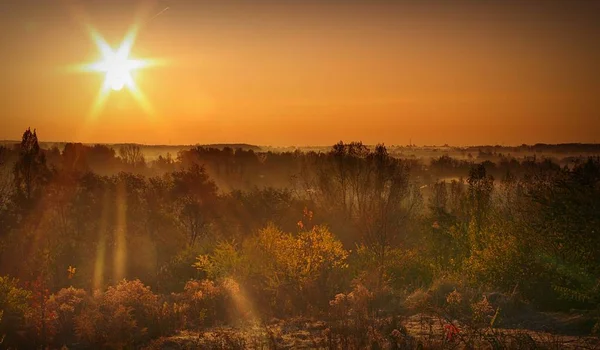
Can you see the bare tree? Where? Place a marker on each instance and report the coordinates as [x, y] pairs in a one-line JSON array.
[[132, 155]]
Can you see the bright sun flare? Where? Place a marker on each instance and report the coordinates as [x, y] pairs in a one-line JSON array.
[[117, 71], [117, 67]]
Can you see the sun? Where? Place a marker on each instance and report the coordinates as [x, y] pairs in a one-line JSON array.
[[117, 66], [117, 71]]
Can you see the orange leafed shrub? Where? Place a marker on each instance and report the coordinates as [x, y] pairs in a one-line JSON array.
[[198, 302], [124, 315], [66, 304]]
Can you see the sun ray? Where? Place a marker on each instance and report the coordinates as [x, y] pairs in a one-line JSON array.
[[141, 99], [99, 265], [125, 48], [120, 253], [100, 100], [103, 46]]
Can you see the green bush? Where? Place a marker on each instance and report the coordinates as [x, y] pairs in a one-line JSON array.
[[14, 306]]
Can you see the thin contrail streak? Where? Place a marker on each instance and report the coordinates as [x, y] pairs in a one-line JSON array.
[[160, 13]]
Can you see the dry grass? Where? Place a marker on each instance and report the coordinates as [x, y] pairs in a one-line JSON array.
[[420, 331]]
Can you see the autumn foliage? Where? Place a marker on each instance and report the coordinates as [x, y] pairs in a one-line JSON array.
[[101, 248]]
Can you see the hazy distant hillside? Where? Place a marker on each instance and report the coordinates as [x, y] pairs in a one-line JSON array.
[[480, 152]]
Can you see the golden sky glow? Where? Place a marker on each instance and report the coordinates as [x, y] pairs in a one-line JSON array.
[[299, 73]]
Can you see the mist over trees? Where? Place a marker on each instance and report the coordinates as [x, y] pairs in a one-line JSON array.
[[105, 247]]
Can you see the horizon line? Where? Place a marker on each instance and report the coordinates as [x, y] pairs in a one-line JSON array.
[[225, 144]]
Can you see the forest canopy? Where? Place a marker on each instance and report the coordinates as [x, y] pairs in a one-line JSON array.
[[102, 246]]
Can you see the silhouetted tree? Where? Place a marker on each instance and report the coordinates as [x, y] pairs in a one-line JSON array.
[[371, 191], [74, 157], [30, 171], [480, 190], [6, 191], [101, 158], [387, 205], [195, 194]]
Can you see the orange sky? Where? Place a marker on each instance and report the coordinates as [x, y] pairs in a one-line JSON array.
[[291, 72]]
